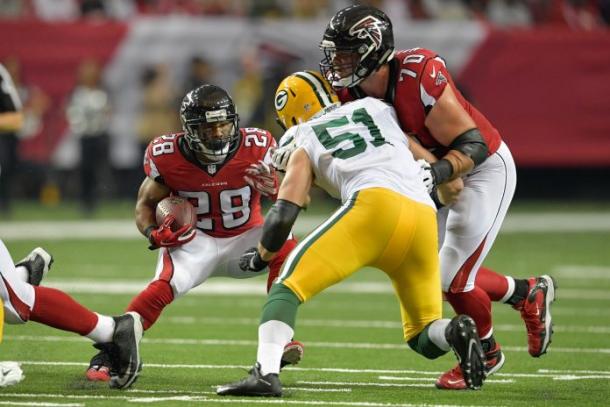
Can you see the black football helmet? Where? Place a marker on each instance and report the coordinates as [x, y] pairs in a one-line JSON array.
[[210, 123], [357, 41]]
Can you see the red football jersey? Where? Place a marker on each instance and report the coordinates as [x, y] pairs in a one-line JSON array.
[[417, 78], [226, 205]]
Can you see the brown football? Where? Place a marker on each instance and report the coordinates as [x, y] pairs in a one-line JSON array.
[[181, 209]]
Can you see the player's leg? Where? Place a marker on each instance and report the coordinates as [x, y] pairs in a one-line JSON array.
[[416, 279], [24, 302], [177, 271], [313, 265]]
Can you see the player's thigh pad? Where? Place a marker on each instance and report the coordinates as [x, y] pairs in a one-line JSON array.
[[189, 265], [355, 236], [18, 296], [474, 221]]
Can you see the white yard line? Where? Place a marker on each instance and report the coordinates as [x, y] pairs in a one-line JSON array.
[[38, 404], [578, 272], [231, 400], [240, 287], [561, 222]]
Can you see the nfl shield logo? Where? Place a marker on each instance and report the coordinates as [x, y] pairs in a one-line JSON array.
[[211, 168]]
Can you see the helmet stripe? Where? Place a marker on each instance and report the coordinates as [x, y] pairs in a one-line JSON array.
[[318, 87]]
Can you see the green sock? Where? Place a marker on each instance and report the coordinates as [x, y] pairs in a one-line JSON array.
[[422, 344], [281, 305]]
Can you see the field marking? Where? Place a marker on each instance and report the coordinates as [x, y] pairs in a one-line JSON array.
[[34, 403], [125, 229], [257, 287], [253, 343], [432, 379], [232, 400], [371, 324], [550, 374], [580, 272]]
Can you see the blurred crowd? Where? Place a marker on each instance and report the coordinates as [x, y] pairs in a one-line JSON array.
[[577, 14]]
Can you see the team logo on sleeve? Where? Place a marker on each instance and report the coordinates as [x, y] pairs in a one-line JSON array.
[[368, 28]]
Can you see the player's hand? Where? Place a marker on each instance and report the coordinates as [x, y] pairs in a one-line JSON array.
[[164, 237], [425, 172], [251, 260], [262, 177], [449, 192], [281, 155]]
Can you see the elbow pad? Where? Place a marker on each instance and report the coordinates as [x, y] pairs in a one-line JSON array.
[[278, 224], [471, 144]]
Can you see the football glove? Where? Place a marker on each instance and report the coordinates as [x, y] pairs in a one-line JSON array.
[[164, 237], [425, 172], [262, 177], [281, 155], [251, 261]]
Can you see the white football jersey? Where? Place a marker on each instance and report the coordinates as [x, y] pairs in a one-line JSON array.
[[359, 145]]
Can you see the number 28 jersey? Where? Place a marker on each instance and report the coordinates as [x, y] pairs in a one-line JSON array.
[[359, 145], [226, 205]]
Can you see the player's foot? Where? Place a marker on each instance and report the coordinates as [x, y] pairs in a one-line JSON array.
[[462, 335], [453, 379], [293, 353], [536, 313], [101, 364], [37, 263], [255, 385], [127, 335]]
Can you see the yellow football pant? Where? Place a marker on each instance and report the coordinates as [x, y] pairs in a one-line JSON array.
[[378, 228], [1, 319]]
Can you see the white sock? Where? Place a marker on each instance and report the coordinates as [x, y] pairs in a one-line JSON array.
[[511, 289], [103, 330], [272, 337], [436, 333], [22, 273]]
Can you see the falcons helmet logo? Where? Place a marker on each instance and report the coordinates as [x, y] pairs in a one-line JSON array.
[[368, 28]]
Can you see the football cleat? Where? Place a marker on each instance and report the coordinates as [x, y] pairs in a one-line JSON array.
[[127, 364], [453, 379], [536, 313], [101, 364], [255, 385], [37, 263], [293, 353], [462, 335]]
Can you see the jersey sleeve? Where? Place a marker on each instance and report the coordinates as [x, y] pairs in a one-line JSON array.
[[150, 167], [9, 98], [434, 80]]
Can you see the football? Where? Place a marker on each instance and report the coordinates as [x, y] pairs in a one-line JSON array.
[[181, 209]]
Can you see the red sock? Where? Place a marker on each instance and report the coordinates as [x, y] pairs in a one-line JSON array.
[[58, 310], [276, 264], [494, 284], [150, 302], [475, 304]]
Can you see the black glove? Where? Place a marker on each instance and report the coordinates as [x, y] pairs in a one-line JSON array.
[[251, 260]]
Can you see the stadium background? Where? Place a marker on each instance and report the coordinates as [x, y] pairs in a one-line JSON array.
[[540, 70]]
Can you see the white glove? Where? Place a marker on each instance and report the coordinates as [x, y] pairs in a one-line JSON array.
[[425, 172], [261, 176], [281, 155], [10, 373]]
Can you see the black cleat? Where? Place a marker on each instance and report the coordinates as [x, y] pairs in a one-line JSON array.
[[127, 335], [255, 385], [462, 335], [37, 263]]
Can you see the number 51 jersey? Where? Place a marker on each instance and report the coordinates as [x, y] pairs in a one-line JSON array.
[[226, 205]]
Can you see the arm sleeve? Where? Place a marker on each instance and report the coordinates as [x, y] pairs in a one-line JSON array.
[[9, 98], [434, 78]]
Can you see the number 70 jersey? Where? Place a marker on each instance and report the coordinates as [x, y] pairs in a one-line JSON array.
[[360, 145], [226, 205]]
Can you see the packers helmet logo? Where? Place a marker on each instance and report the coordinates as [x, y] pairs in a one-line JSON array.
[[368, 28], [280, 99]]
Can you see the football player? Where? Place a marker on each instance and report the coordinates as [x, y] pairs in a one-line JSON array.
[[457, 141], [23, 299], [222, 170], [387, 220]]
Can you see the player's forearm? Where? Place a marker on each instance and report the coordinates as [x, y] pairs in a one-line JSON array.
[[419, 151], [11, 121], [467, 151], [145, 218], [278, 224]]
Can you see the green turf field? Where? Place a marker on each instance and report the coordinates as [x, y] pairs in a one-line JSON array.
[[354, 352]]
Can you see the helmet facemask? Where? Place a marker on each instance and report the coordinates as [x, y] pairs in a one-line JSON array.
[[344, 67], [212, 140]]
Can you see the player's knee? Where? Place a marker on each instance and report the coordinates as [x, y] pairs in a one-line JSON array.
[[422, 344]]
